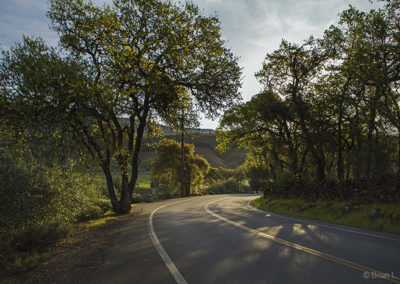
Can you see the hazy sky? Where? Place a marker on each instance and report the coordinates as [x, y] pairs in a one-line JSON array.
[[252, 28]]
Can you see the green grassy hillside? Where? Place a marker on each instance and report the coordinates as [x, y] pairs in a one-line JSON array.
[[205, 143]]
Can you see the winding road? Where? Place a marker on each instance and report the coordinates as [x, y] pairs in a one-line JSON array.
[[224, 239]]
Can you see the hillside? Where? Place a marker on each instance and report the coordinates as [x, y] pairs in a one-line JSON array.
[[205, 142]]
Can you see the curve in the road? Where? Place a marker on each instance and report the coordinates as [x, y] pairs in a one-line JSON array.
[[164, 255], [299, 247], [180, 279]]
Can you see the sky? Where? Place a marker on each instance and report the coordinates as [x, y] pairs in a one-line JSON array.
[[251, 28]]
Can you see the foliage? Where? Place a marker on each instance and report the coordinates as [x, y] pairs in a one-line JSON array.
[[226, 186], [329, 108], [145, 165], [39, 204], [285, 179], [166, 168], [230, 185], [130, 59], [205, 145], [218, 174]]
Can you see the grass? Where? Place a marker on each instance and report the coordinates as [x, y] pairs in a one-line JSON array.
[[143, 181], [102, 220], [24, 261], [333, 212]]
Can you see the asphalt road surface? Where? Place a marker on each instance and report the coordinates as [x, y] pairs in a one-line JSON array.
[[223, 239]]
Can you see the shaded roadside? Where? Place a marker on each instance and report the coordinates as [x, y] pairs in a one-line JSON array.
[[76, 258]]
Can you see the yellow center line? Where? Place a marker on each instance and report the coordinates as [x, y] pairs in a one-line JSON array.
[[345, 262]]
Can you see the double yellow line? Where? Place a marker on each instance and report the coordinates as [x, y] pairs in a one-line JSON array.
[[365, 269]]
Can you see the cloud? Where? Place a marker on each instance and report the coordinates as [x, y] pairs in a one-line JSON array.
[[24, 17]]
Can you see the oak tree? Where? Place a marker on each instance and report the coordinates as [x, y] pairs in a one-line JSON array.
[[123, 67]]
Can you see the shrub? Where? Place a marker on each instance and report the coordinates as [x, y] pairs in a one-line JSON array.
[[137, 198], [104, 204], [38, 204], [227, 186], [285, 179]]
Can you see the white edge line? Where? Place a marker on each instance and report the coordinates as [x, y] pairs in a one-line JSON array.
[[293, 245], [319, 224], [164, 255]]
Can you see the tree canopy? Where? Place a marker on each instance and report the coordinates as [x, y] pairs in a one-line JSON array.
[[121, 67], [166, 168], [329, 108]]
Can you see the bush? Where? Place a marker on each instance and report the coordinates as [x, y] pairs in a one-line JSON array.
[[227, 186], [137, 198], [38, 204], [104, 204], [285, 179]]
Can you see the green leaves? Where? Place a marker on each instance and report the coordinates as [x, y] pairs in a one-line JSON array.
[[121, 67], [328, 105], [167, 165]]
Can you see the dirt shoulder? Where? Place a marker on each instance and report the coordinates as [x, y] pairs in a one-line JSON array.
[[76, 258]]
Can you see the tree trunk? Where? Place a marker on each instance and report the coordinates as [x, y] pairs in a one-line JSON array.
[[321, 169], [110, 186], [398, 151], [318, 157], [182, 165], [340, 160], [187, 185], [340, 163], [126, 200], [371, 128], [126, 195], [182, 152]]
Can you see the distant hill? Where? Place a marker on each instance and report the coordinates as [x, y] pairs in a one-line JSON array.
[[205, 142]]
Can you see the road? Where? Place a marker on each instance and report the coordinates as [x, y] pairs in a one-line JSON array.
[[223, 239]]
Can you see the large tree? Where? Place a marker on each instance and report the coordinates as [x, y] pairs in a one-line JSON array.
[[330, 107], [290, 72], [130, 61], [371, 56], [267, 127]]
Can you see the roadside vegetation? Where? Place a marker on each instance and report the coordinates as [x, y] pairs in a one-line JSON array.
[[382, 217], [81, 135], [329, 108], [323, 136], [326, 126], [86, 106], [39, 205]]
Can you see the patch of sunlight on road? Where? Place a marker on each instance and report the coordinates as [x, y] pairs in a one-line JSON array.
[[301, 260], [322, 236], [284, 252], [197, 253], [312, 227], [298, 229], [273, 231], [251, 258], [261, 244], [228, 263], [212, 221]]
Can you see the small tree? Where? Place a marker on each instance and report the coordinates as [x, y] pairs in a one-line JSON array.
[[167, 166]]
